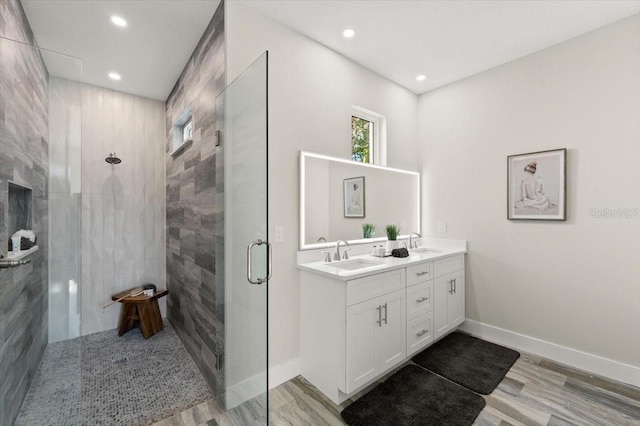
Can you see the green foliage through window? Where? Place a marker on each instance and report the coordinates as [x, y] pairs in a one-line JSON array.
[[361, 133]]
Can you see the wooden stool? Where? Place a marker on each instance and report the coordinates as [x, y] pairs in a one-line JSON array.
[[141, 309]]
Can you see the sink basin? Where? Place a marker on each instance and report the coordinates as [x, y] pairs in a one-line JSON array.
[[354, 264], [426, 250]]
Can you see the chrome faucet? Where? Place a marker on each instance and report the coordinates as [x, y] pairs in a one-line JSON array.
[[327, 256], [336, 255], [413, 244]]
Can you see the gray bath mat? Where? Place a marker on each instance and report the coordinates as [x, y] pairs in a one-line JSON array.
[[473, 363], [412, 397]]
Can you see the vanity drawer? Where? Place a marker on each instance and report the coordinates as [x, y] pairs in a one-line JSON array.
[[448, 265], [419, 299], [419, 273], [366, 288], [419, 333]]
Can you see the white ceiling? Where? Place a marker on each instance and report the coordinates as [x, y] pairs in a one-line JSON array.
[[445, 40], [150, 53]]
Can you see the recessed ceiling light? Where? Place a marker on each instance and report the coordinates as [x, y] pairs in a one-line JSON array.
[[421, 77], [118, 21], [348, 33], [115, 76]]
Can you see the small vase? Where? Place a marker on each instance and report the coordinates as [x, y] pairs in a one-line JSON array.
[[392, 244]]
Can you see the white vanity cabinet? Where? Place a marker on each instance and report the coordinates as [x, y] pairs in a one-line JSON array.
[[354, 330], [449, 308]]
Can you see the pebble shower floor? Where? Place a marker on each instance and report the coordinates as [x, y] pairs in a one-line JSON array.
[[103, 379]]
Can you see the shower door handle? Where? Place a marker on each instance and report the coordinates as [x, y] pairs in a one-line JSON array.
[[250, 278]]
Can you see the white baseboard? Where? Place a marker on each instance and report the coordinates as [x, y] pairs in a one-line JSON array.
[[585, 361], [245, 390], [283, 372], [254, 386]]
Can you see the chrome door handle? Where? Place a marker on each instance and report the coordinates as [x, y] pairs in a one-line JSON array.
[[422, 273], [422, 299], [258, 242], [422, 333], [385, 313], [379, 322], [450, 286]]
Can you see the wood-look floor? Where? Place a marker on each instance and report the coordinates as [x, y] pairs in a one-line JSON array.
[[536, 391]]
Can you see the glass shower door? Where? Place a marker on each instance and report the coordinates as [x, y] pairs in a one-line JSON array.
[[242, 113]]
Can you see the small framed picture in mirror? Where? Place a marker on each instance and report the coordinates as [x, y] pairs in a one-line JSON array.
[[354, 197]]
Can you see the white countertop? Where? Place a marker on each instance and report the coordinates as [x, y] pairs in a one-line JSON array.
[[383, 264]]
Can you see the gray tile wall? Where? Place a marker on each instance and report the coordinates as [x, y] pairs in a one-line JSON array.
[[24, 160], [194, 209]]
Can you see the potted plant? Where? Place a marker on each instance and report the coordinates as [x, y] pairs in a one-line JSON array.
[[368, 230], [392, 235]]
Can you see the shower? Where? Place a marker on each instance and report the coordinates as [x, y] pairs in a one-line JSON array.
[[112, 159]]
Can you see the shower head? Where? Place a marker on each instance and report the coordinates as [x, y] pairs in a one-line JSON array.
[[112, 159]]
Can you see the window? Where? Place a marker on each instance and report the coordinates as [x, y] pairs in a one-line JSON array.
[[361, 139], [182, 132], [187, 131], [368, 136]]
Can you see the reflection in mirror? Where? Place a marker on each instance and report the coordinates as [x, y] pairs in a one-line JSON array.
[[327, 207]]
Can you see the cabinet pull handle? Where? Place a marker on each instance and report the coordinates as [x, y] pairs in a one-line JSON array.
[[450, 286], [422, 333], [379, 322], [455, 287], [422, 299], [422, 273], [385, 313]]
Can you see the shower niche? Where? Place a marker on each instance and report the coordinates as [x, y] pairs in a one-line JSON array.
[[20, 210]]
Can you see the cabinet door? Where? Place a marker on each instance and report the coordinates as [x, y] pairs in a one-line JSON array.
[[448, 308], [442, 288], [455, 311], [362, 335], [392, 346]]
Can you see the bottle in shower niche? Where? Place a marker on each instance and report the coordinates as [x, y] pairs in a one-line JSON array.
[[15, 244]]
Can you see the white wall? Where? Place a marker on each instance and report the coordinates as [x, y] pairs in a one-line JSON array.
[[311, 91], [123, 206], [577, 283]]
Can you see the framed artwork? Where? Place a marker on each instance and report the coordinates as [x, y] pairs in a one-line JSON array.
[[354, 197], [537, 185]]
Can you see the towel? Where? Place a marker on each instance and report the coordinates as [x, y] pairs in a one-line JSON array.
[[27, 240], [400, 252]]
